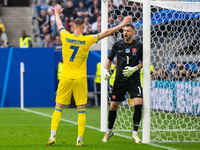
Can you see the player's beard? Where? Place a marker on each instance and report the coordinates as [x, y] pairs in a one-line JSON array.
[[127, 38]]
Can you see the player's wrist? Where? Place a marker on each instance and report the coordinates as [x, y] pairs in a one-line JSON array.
[[136, 68]]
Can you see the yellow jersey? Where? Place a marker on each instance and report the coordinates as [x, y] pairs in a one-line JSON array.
[[75, 50]]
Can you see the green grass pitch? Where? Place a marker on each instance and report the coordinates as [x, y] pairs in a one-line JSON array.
[[30, 130]]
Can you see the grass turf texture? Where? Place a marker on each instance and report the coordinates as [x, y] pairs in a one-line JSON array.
[[22, 130]]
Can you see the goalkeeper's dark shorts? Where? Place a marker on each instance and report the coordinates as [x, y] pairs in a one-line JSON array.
[[120, 88]]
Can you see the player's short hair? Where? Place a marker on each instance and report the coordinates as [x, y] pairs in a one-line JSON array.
[[130, 25], [78, 21]]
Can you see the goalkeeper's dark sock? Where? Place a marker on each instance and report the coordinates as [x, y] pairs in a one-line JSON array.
[[137, 117], [111, 118]]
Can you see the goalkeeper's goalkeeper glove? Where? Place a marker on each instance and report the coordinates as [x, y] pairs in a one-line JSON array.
[[128, 71], [106, 74]]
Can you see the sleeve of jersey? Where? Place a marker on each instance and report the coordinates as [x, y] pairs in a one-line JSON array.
[[63, 33], [113, 52], [93, 39]]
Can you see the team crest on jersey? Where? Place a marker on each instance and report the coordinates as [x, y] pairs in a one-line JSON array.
[[127, 50], [114, 97], [134, 51]]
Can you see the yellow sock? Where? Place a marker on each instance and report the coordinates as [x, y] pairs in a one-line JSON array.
[[81, 122], [56, 118]]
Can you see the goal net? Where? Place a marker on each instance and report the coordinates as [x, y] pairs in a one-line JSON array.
[[174, 56]]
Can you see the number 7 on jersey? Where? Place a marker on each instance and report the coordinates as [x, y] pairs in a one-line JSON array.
[[74, 52]]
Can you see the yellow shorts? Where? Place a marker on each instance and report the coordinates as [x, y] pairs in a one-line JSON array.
[[67, 87]]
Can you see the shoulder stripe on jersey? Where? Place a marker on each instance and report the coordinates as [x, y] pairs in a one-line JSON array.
[[61, 29], [97, 38]]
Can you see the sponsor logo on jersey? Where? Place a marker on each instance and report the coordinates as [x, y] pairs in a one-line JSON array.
[[127, 50], [114, 97], [134, 51]]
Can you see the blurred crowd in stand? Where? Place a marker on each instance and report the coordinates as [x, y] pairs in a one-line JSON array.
[[90, 11], [178, 72]]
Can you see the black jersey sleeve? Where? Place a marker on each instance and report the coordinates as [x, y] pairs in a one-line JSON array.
[[113, 52], [141, 52]]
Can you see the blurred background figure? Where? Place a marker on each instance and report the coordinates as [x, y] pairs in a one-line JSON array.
[[57, 43], [3, 39], [98, 83], [25, 41], [47, 42]]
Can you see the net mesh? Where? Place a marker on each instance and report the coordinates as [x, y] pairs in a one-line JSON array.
[[175, 87]]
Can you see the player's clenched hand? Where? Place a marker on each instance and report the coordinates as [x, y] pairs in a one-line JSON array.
[[106, 74], [128, 71], [58, 8], [127, 19]]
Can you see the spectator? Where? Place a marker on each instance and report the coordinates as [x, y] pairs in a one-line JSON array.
[[87, 30], [82, 11], [69, 23], [92, 7], [89, 3], [2, 25], [111, 22], [5, 2], [44, 32], [94, 25], [87, 25], [69, 11], [117, 2], [51, 13], [43, 19], [47, 42], [3, 39], [97, 13], [98, 82], [98, 29], [25, 40], [86, 21], [58, 43]]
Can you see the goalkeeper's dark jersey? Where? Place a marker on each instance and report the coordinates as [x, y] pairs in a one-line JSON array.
[[127, 55]]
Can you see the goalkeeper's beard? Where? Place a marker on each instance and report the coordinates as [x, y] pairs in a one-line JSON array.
[[128, 39]]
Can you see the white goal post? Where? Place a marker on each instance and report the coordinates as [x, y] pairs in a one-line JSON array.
[[170, 34]]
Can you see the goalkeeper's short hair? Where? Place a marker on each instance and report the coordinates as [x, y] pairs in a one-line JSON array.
[[130, 25]]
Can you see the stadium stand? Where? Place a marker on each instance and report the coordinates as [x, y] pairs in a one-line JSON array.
[[13, 19]]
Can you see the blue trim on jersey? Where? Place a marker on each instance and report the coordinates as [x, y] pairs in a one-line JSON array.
[[6, 76], [61, 29], [97, 38], [81, 111], [58, 109]]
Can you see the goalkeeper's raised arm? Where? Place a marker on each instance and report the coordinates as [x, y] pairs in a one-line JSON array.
[[113, 30]]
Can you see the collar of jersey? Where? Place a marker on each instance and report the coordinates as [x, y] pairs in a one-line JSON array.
[[77, 35]]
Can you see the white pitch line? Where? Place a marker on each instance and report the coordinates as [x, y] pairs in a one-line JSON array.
[[120, 135]]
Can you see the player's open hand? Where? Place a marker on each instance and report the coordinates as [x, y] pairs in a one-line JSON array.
[[58, 9], [106, 74], [127, 19], [128, 71]]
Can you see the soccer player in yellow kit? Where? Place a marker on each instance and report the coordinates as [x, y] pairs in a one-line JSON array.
[[75, 49]]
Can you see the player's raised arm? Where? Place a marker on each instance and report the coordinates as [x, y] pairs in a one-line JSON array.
[[58, 10], [113, 30]]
